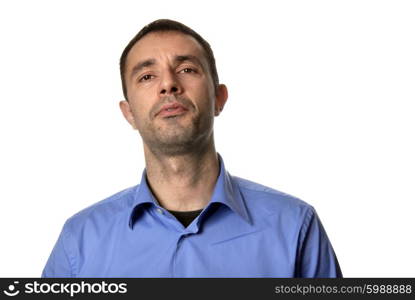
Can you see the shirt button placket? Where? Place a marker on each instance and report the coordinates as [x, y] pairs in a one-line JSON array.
[[176, 271]]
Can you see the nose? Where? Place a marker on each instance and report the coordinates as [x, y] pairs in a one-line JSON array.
[[169, 85]]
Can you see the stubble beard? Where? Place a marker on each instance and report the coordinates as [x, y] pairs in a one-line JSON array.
[[175, 139]]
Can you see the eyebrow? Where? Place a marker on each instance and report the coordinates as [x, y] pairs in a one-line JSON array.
[[141, 65], [178, 58], [191, 58]]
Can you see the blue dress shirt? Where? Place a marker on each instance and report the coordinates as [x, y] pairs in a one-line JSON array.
[[246, 230]]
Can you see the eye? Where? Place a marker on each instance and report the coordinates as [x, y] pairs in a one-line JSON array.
[[145, 78], [188, 70]]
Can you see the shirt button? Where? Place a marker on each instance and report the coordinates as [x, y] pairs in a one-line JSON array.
[[159, 210]]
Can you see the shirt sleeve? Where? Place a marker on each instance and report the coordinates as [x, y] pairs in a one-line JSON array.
[[59, 263], [315, 256]]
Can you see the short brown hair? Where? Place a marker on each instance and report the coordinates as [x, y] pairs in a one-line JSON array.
[[169, 25]]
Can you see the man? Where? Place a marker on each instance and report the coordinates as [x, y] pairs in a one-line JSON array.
[[188, 217]]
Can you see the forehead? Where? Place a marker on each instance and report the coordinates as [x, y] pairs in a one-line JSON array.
[[158, 45]]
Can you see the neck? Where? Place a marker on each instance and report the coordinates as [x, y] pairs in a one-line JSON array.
[[182, 182]]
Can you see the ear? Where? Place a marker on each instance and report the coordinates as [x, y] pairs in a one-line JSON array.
[[221, 97], [126, 111]]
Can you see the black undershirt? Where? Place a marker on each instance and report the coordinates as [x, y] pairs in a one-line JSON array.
[[185, 217]]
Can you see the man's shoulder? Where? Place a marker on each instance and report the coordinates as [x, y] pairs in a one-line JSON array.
[[267, 200], [105, 210]]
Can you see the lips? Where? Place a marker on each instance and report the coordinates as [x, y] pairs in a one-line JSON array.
[[171, 109]]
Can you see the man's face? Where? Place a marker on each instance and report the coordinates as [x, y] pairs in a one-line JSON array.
[[172, 100]]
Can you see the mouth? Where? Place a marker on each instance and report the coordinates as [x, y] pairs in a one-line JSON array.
[[172, 110]]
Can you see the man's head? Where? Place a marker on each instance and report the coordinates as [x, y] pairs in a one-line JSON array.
[[171, 87], [164, 25]]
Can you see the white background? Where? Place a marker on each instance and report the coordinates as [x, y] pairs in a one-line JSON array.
[[321, 106]]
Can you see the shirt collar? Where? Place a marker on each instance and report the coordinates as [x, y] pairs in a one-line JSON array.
[[226, 192]]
